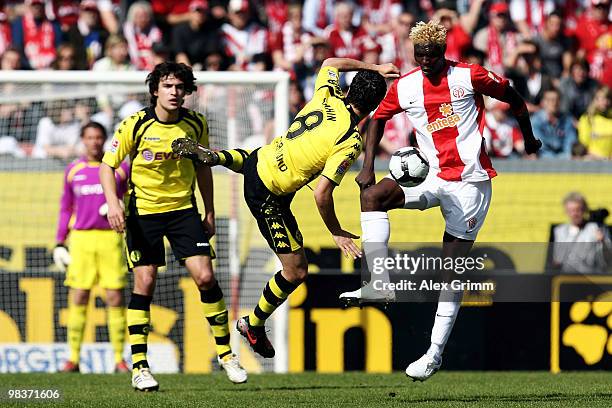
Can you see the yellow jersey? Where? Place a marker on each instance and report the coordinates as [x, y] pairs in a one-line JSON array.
[[160, 181], [322, 139]]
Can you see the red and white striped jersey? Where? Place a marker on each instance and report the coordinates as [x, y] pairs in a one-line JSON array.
[[244, 44], [448, 116]]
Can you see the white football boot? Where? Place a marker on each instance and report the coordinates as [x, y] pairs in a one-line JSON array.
[[142, 380], [233, 369], [424, 367], [367, 294]]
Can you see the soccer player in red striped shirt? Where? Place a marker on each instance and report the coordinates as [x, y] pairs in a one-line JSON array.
[[444, 101]]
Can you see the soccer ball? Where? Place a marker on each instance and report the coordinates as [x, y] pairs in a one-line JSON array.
[[408, 166]]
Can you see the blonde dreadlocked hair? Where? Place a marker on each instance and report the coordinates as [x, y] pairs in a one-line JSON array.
[[430, 33]]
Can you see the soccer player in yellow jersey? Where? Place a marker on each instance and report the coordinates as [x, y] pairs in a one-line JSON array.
[[323, 140], [162, 203]]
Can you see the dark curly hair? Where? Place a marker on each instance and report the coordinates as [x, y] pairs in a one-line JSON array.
[[367, 91], [179, 70]]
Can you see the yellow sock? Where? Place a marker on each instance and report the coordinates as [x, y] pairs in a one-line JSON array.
[[116, 330], [77, 315], [138, 319], [233, 159], [274, 294], [216, 314]]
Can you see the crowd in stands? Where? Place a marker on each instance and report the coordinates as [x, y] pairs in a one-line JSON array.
[[557, 54]]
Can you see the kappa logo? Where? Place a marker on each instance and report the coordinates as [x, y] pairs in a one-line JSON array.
[[450, 119], [276, 225], [282, 245], [279, 235]]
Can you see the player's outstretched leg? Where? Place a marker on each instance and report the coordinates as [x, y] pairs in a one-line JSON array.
[[232, 159], [252, 327], [215, 311], [375, 202], [138, 319]]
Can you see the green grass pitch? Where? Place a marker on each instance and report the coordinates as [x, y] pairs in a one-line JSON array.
[[445, 389]]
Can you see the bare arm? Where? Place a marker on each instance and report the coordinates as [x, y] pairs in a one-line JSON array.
[[470, 20], [348, 64], [205, 184], [115, 215], [324, 198], [365, 178]]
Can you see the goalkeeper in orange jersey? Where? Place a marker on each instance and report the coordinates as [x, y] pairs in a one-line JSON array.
[[96, 251], [322, 140]]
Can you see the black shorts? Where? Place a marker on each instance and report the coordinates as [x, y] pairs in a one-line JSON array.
[[183, 228], [272, 212]]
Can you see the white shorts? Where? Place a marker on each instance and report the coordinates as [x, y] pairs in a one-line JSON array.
[[464, 204]]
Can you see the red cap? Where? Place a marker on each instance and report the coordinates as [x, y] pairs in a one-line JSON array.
[[499, 8], [196, 5]]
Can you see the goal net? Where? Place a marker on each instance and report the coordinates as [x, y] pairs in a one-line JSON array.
[[40, 117]]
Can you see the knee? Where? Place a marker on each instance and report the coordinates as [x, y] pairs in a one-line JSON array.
[[114, 298], [371, 199], [81, 297], [297, 273], [145, 284], [204, 279]]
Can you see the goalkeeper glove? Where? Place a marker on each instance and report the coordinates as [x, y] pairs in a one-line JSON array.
[[61, 257]]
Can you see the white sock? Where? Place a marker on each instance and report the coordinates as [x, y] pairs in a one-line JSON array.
[[375, 233], [449, 303]]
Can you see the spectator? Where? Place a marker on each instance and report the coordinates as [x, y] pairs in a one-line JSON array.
[[344, 38], [577, 90], [595, 126], [5, 32], [580, 246], [10, 60], [497, 39], [306, 71], [296, 100], [117, 59], [397, 46], [141, 33], [594, 35], [57, 135], [169, 13], [318, 15], [35, 37], [377, 15], [243, 38], [12, 115], [274, 13], [194, 39], [529, 15], [525, 70], [65, 12], [553, 128], [458, 37], [555, 48], [501, 132], [87, 35], [66, 58], [292, 44]]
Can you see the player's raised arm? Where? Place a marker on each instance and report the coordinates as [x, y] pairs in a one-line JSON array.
[[347, 64], [324, 198]]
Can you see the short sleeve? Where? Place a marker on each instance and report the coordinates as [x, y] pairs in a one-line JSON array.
[[203, 140], [487, 82], [122, 142], [329, 77], [390, 105], [342, 158]]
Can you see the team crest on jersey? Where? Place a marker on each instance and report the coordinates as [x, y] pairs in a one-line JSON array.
[[457, 92], [450, 119], [114, 145]]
